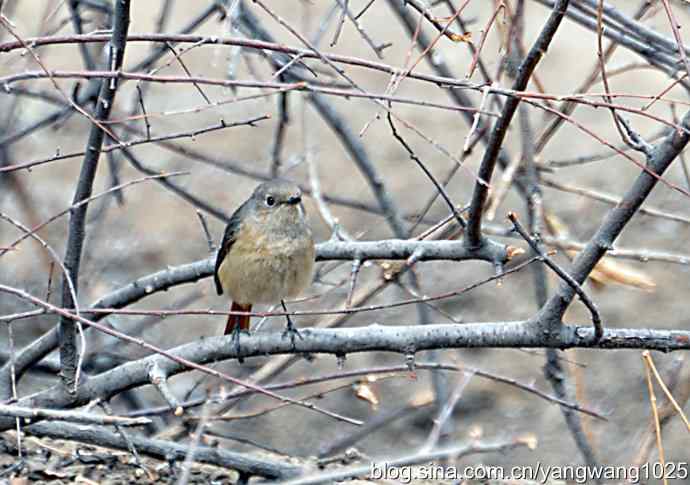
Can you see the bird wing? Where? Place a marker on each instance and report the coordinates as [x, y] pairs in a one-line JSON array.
[[229, 237]]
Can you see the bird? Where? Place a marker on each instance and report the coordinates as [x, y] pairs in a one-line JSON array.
[[266, 256]]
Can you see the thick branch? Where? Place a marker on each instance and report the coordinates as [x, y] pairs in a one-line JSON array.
[[164, 450], [404, 249], [662, 156], [106, 97], [486, 169], [383, 338]]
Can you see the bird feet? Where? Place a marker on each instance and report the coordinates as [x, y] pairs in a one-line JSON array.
[[236, 332], [292, 331]]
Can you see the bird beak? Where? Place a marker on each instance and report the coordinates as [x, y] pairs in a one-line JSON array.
[[295, 199]]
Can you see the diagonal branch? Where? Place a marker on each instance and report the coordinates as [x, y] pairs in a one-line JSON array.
[[473, 237], [596, 318], [659, 160]]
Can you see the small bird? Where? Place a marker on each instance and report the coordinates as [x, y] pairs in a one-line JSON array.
[[267, 254]]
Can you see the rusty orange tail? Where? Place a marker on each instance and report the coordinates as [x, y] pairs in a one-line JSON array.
[[241, 321]]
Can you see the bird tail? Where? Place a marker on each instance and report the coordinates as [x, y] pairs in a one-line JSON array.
[[238, 321]]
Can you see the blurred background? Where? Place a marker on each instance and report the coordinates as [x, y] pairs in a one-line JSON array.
[[149, 226]]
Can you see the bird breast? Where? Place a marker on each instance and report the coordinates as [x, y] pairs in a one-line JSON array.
[[266, 266]]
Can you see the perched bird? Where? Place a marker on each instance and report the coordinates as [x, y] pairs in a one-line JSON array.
[[267, 253]]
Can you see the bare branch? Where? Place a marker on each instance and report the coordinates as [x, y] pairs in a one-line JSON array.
[[596, 318], [165, 450], [29, 414], [69, 352], [406, 340], [663, 155], [473, 238]]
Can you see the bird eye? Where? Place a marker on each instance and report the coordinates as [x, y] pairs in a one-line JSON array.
[[270, 201]]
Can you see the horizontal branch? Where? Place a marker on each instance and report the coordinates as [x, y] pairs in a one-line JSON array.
[[393, 249], [199, 40], [30, 414], [165, 450], [404, 249], [406, 340]]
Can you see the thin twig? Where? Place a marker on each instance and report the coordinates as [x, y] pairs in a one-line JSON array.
[[430, 366], [160, 381], [596, 319], [28, 414], [650, 364], [655, 413], [426, 171], [207, 233]]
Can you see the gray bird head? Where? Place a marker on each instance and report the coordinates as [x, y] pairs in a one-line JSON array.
[[278, 202], [276, 193]]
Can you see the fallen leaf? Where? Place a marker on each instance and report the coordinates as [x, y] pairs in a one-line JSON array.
[[365, 392]]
